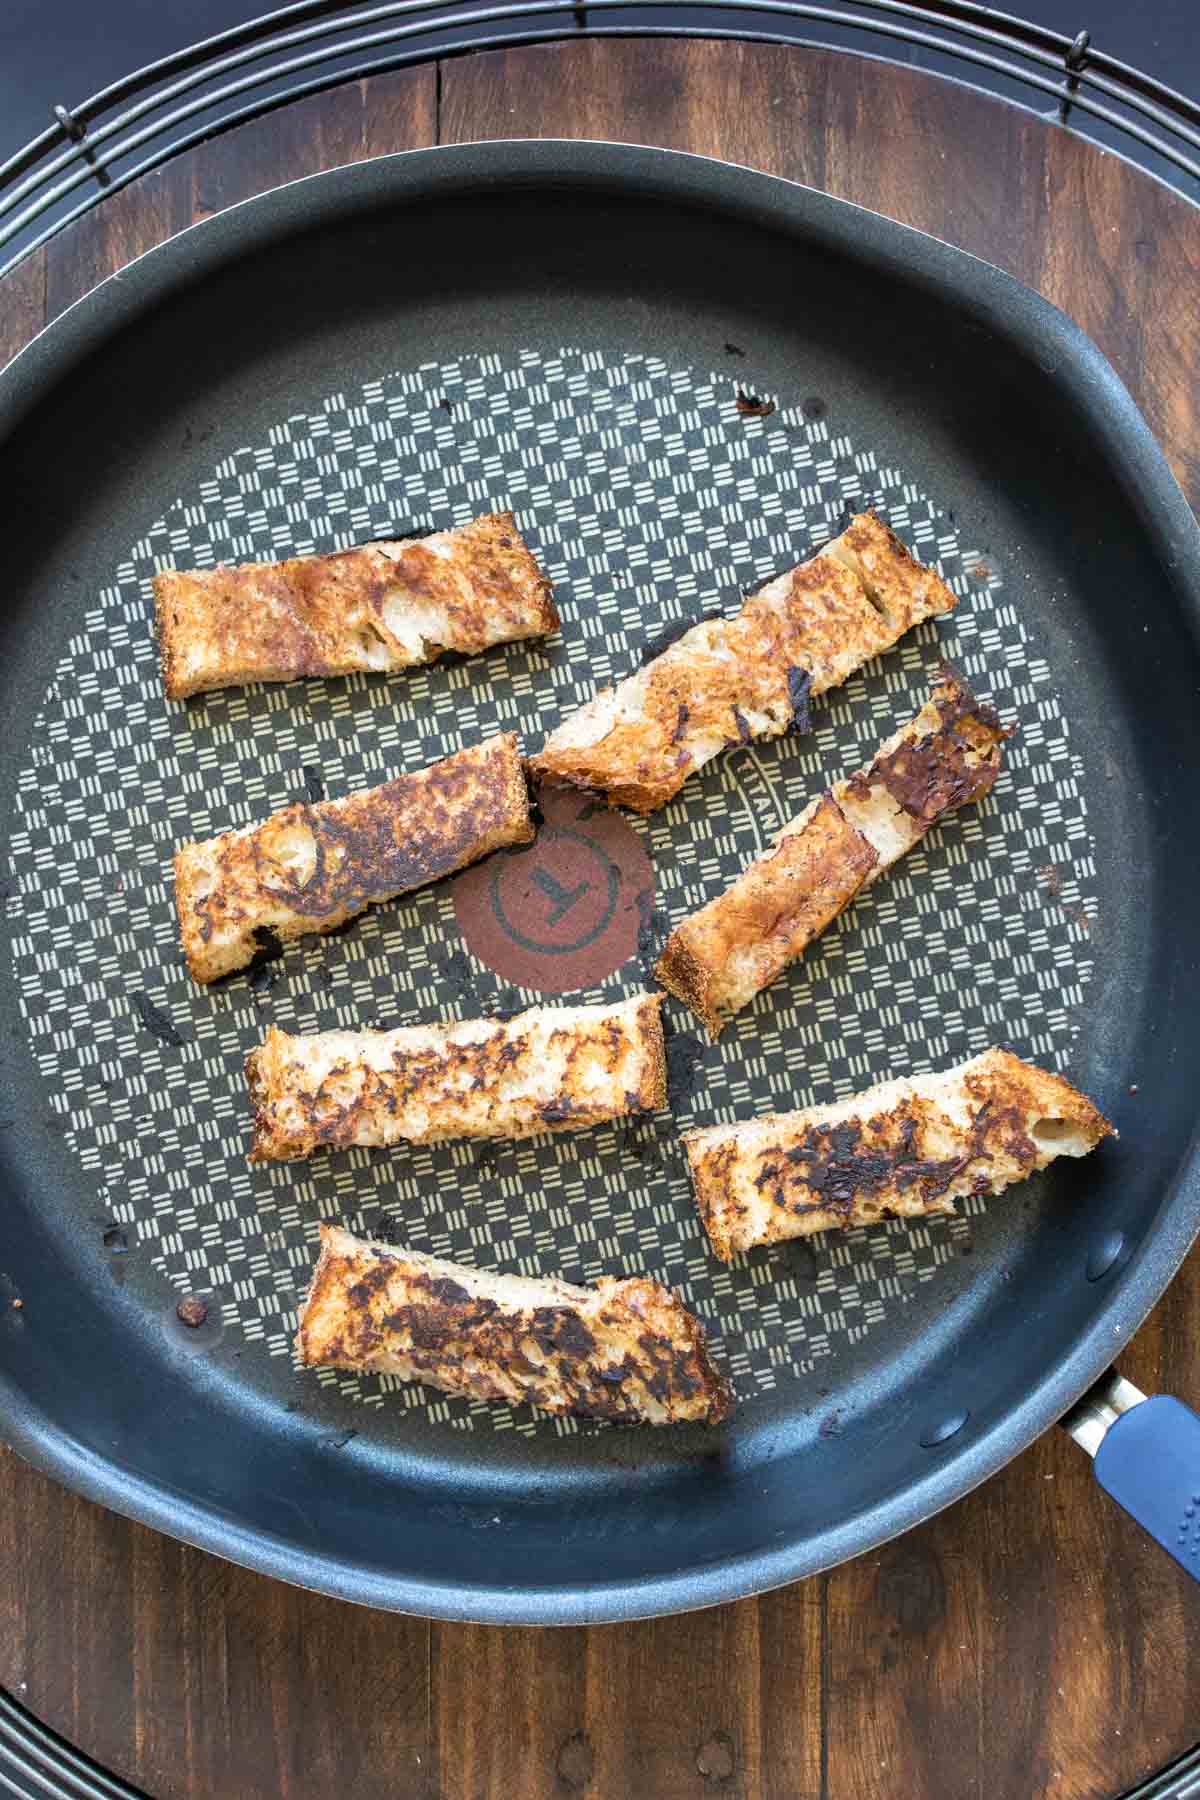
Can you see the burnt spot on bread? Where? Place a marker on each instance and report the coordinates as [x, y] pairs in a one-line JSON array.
[[835, 1165], [384, 842], [955, 762], [625, 1352], [799, 683], [560, 1329]]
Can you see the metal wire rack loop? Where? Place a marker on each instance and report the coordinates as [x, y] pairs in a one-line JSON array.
[[134, 125]]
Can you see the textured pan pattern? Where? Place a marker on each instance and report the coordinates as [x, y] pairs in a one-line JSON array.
[[310, 868], [899, 1151], [626, 1351], [382, 606], [144, 1069]]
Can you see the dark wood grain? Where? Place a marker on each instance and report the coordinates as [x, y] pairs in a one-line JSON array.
[[22, 305], [1028, 1643], [350, 124], [1111, 246]]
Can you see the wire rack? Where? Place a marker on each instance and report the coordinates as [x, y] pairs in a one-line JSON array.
[[93, 148]]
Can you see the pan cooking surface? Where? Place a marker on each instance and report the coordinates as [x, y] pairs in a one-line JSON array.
[[651, 499], [398, 347]]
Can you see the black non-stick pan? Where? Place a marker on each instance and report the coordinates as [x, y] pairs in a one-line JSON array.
[[566, 328]]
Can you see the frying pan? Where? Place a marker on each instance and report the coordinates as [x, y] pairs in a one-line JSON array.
[[565, 328]]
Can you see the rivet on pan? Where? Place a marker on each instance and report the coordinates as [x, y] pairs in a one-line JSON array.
[[1104, 1253], [943, 1431]]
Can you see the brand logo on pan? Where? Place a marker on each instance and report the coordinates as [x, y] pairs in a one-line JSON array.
[[563, 913]]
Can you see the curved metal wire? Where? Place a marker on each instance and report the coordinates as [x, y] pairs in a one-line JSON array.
[[313, 44], [36, 1763]]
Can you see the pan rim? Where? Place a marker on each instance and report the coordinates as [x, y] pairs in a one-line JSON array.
[[999, 301]]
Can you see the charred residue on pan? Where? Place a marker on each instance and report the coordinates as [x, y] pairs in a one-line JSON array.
[[454, 966], [653, 930], [753, 406], [685, 1054], [159, 1023]]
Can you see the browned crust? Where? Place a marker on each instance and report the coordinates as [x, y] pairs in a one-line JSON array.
[[641, 797], [361, 850], [441, 1087], [683, 974], [902, 1158], [624, 1351], [772, 912], [173, 685], [710, 1171], [327, 615], [731, 948], [903, 588], [652, 1089], [802, 634]]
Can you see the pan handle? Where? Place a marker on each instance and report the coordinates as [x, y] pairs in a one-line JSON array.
[[1146, 1453]]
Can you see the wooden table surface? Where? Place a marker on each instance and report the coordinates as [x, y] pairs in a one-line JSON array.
[[1028, 1641]]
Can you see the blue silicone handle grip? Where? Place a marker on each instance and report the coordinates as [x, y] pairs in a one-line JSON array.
[[1149, 1461]]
